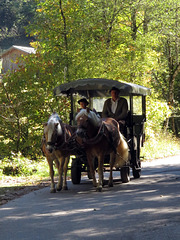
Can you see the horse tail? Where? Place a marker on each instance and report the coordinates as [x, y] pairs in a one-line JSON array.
[[122, 152]]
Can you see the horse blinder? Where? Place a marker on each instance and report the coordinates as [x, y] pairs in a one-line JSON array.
[[82, 127], [81, 132]]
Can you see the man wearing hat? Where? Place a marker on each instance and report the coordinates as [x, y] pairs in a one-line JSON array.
[[115, 107], [83, 104]]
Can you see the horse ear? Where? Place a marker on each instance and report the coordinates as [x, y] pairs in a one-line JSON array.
[[45, 124]]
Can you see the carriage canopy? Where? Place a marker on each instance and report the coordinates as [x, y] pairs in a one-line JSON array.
[[99, 87]]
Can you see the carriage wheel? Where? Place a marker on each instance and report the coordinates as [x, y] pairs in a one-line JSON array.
[[76, 172], [125, 174], [136, 164]]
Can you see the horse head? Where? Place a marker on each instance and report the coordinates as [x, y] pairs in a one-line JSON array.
[[87, 123], [53, 131], [82, 123]]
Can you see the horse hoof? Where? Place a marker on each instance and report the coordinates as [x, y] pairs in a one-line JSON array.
[[59, 189], [99, 189], [65, 188], [53, 190]]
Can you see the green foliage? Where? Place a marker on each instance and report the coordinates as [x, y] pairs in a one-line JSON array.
[[26, 102], [160, 145], [157, 113], [92, 39], [18, 165], [126, 40], [15, 15]]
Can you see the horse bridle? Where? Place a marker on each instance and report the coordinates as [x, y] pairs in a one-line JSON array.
[[66, 143], [55, 144], [95, 139]]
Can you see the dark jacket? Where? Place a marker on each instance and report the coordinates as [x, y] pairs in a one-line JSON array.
[[121, 110]]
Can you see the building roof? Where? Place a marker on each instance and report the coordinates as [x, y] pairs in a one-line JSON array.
[[21, 48]]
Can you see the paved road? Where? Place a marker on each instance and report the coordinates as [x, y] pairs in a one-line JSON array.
[[143, 209]]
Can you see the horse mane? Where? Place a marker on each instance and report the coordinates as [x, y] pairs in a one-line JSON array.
[[55, 119], [92, 115]]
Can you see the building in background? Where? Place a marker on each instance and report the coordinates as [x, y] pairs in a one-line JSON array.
[[10, 56]]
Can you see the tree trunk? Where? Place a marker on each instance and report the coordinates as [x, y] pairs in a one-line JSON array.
[[133, 23], [66, 68]]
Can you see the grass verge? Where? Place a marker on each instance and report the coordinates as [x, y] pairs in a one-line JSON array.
[[160, 146]]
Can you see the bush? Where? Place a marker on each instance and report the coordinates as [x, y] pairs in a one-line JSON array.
[[157, 112], [21, 166], [160, 145]]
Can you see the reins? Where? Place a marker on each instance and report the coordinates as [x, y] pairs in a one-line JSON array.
[[65, 141], [97, 138]]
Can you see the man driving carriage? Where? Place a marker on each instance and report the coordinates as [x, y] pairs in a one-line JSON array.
[[116, 107]]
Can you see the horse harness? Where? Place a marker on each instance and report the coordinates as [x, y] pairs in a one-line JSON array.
[[62, 143], [105, 130]]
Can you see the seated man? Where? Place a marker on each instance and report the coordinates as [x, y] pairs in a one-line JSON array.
[[116, 107], [83, 103]]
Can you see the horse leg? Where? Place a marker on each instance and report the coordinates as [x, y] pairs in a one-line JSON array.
[[112, 161], [57, 165], [51, 173], [60, 171], [91, 167], [65, 173], [100, 172]]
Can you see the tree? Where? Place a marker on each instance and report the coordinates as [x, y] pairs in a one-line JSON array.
[[26, 102], [15, 15], [92, 37], [166, 76], [125, 40]]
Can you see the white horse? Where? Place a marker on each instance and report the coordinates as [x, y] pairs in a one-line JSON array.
[[55, 147]]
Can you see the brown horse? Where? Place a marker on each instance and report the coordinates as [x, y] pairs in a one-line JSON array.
[[99, 138], [55, 146]]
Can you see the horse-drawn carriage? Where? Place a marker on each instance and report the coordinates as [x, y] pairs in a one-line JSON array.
[[96, 90]]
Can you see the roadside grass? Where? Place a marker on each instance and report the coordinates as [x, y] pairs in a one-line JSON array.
[[160, 146], [21, 171], [21, 166]]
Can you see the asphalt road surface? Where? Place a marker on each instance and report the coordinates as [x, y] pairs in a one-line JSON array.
[[143, 209]]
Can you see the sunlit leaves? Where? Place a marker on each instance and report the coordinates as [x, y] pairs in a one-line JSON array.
[[125, 40]]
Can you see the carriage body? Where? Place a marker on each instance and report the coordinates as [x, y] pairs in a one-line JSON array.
[[96, 90]]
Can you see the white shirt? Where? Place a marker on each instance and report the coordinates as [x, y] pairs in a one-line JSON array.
[[114, 105]]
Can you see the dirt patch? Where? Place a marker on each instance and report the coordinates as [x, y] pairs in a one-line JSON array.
[[13, 188]]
